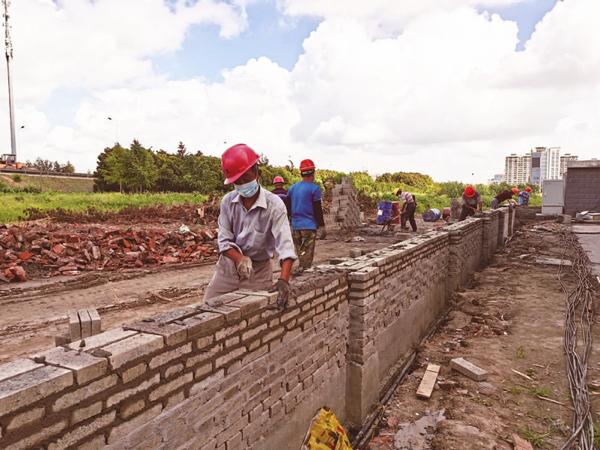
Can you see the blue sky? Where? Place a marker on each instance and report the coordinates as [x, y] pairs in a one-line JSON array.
[[206, 54], [279, 38], [269, 34]]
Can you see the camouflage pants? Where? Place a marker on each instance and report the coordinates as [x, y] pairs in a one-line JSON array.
[[304, 241]]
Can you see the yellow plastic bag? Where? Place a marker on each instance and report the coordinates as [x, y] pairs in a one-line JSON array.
[[326, 433]]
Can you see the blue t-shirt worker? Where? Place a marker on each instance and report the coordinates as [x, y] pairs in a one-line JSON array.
[[304, 200]]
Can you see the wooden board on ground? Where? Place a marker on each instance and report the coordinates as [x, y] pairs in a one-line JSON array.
[[468, 369], [428, 381], [520, 443]]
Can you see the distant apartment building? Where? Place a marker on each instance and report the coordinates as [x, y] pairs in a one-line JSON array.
[[517, 169], [542, 163], [564, 160], [498, 178]]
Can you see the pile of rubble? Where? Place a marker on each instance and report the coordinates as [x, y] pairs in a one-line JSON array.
[[53, 249]]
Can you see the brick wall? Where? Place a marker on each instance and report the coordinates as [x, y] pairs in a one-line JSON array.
[[582, 190], [240, 374], [225, 376]]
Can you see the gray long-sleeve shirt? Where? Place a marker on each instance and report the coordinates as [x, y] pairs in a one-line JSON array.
[[257, 232]]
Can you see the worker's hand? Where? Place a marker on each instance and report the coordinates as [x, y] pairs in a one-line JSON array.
[[322, 233], [284, 291], [244, 268]]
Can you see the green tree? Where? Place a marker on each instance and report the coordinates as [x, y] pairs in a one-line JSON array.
[[116, 166], [142, 173]]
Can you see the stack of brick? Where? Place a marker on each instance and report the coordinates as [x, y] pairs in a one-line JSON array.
[[224, 376], [343, 212]]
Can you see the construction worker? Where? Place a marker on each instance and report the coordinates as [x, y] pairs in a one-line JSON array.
[[503, 196], [252, 226], [409, 207], [304, 200], [524, 196], [279, 190], [471, 203]]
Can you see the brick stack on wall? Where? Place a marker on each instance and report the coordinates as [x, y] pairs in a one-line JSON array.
[[343, 210], [238, 373]]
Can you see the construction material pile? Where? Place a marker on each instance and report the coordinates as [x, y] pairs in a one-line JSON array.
[[34, 249], [342, 209]]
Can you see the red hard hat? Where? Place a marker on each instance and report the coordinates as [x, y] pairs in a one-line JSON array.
[[528, 189], [307, 165], [236, 161], [470, 191], [278, 179], [515, 190]]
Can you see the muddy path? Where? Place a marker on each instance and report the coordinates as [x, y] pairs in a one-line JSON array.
[[509, 320], [33, 314]]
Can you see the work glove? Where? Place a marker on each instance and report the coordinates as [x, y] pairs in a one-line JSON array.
[[244, 268], [284, 291], [322, 234]]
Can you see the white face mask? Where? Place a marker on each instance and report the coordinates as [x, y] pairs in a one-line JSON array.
[[247, 190]]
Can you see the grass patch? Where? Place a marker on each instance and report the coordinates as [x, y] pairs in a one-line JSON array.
[[517, 390], [48, 184], [534, 437], [15, 204], [520, 352], [597, 435], [542, 391]]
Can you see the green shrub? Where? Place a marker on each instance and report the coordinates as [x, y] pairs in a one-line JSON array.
[[17, 178]]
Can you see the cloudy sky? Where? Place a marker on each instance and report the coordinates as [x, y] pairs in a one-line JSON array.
[[444, 87]]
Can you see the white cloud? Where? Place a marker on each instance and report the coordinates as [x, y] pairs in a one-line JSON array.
[[448, 95]]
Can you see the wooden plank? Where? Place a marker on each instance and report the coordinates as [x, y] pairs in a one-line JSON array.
[[520, 443], [74, 326], [86, 323], [96, 321], [428, 382], [468, 369]]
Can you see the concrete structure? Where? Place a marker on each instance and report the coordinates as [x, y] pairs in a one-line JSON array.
[[239, 373], [517, 169], [498, 178], [582, 187], [564, 160], [550, 164], [553, 197]]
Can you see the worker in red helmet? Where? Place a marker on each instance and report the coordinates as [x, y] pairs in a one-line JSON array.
[[471, 203], [524, 196], [253, 225], [304, 200], [503, 196], [279, 190]]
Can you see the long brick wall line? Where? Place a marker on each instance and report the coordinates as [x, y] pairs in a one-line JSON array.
[[240, 374]]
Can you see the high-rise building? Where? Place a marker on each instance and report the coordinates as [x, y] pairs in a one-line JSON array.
[[517, 169], [550, 164], [564, 159], [542, 163]]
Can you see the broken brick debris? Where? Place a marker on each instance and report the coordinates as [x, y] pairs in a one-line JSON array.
[[49, 249]]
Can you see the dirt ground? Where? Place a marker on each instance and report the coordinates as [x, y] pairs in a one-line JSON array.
[[509, 319], [35, 311]]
